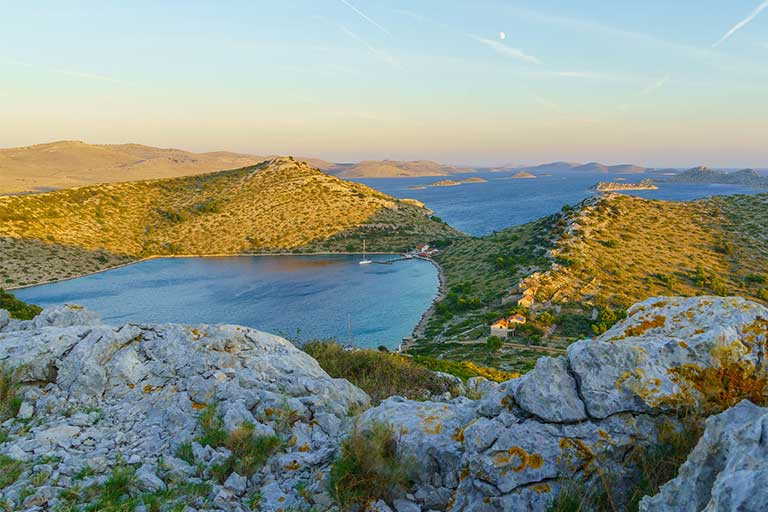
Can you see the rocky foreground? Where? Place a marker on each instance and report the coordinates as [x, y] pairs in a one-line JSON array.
[[99, 399]]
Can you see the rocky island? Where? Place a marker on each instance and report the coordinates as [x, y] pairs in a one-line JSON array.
[[522, 175], [608, 186], [456, 183]]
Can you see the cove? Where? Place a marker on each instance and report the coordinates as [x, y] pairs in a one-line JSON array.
[[299, 297]]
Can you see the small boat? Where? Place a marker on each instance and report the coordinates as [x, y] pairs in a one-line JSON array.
[[365, 261]]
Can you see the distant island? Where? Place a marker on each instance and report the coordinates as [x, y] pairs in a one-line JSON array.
[[590, 167], [609, 186], [394, 169], [455, 183], [705, 175], [522, 175]]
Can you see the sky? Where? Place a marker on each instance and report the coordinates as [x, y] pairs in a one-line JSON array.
[[478, 82]]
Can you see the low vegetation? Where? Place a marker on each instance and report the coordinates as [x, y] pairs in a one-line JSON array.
[[249, 450], [10, 470], [276, 206], [9, 398], [382, 374], [369, 467], [711, 246], [18, 309], [121, 493], [587, 264]]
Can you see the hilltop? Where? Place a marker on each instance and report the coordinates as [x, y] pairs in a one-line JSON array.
[[280, 205], [585, 265], [67, 164], [395, 169], [748, 177]]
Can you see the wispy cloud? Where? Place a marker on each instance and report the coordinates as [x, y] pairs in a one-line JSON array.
[[68, 72], [366, 17], [746, 21], [507, 51], [655, 86], [378, 53]]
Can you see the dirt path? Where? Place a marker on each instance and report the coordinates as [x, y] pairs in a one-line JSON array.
[[518, 346]]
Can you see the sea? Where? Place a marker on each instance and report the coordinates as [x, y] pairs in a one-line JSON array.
[[333, 297]]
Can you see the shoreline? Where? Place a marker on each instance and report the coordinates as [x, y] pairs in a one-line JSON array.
[[418, 331], [183, 256]]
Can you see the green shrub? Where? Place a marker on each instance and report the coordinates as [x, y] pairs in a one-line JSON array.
[[667, 279], [185, 453], [249, 451], [369, 467], [606, 318], [756, 279], [9, 387], [212, 427], [10, 470], [494, 344], [16, 308], [379, 374]]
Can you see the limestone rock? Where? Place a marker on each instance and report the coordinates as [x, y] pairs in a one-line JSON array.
[[104, 394], [728, 469], [633, 367], [550, 393]]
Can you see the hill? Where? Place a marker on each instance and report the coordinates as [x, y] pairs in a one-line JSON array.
[[67, 164], [613, 169], [593, 167], [395, 169], [748, 177], [586, 265], [275, 206]]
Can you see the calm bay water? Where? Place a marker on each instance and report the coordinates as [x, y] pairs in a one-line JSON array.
[[310, 297], [300, 297]]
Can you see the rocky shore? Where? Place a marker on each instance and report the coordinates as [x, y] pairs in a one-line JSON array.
[[133, 405], [608, 186]]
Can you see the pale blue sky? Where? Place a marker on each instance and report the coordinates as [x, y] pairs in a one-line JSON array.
[[651, 82]]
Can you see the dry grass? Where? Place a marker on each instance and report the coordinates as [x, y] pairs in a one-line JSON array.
[[369, 467], [380, 374], [282, 205], [626, 249]]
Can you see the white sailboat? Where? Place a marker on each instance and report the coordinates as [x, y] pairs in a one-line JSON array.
[[365, 261]]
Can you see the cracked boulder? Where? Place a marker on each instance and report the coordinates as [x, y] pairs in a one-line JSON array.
[[728, 469], [573, 418]]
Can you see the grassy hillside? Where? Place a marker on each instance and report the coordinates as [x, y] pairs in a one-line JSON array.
[[67, 164], [623, 249], [588, 264], [275, 206]]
